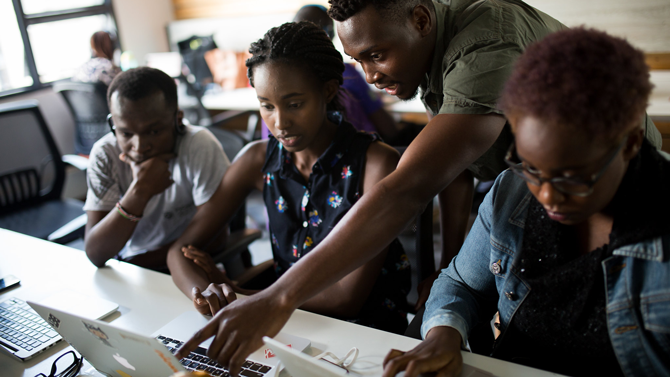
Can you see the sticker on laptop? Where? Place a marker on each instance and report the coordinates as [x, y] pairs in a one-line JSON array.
[[123, 361], [167, 361], [53, 321], [269, 354], [98, 333]]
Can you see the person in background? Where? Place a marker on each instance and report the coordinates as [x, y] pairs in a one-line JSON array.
[[153, 182], [361, 106], [572, 243], [312, 170], [101, 67]]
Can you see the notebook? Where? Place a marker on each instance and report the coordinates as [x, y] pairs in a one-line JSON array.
[[117, 352]]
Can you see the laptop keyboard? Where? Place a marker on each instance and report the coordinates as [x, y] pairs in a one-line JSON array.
[[22, 326], [198, 360]]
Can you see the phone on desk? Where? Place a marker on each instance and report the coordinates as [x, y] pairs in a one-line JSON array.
[[8, 282]]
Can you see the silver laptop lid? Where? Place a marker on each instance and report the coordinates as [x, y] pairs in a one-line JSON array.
[[111, 350]]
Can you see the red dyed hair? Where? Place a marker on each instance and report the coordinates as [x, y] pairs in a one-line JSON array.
[[581, 78]]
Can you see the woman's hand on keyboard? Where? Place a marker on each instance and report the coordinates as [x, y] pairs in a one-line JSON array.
[[212, 299]]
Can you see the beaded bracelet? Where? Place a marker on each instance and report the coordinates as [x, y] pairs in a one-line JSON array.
[[125, 213]]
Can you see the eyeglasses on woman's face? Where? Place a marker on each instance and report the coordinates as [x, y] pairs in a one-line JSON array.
[[576, 186]]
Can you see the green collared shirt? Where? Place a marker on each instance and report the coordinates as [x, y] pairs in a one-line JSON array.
[[477, 45]]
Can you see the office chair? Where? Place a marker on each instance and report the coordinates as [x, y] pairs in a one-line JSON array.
[[240, 269], [88, 104], [233, 140], [192, 87], [192, 51], [234, 255], [32, 175], [425, 263]]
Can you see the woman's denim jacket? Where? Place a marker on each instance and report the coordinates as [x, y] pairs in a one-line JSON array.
[[637, 281]]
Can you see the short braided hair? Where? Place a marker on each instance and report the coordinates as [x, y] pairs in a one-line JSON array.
[[135, 84], [581, 78], [301, 43], [393, 10]]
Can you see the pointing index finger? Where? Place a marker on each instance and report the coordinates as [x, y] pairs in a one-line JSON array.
[[203, 334]]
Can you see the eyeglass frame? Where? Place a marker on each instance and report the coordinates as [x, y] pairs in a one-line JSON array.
[[72, 370], [518, 170]]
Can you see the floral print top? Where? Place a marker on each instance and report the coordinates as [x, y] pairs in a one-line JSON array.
[[302, 213]]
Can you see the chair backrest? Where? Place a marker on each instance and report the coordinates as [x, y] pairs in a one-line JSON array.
[[88, 103], [193, 52], [425, 257], [424, 243], [31, 169], [231, 142]]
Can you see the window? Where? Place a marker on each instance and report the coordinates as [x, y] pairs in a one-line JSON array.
[[42, 6], [42, 41], [13, 69]]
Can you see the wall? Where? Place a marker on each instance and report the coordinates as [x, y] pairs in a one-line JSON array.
[[142, 25], [230, 33], [185, 9], [645, 23]]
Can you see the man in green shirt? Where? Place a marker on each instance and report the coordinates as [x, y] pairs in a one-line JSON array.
[[459, 65], [459, 53]]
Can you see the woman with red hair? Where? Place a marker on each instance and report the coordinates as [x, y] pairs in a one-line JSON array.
[[571, 246]]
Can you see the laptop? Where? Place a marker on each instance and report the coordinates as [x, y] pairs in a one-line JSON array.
[[23, 334], [122, 353]]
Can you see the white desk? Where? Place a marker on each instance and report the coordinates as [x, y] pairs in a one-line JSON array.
[[148, 300]]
